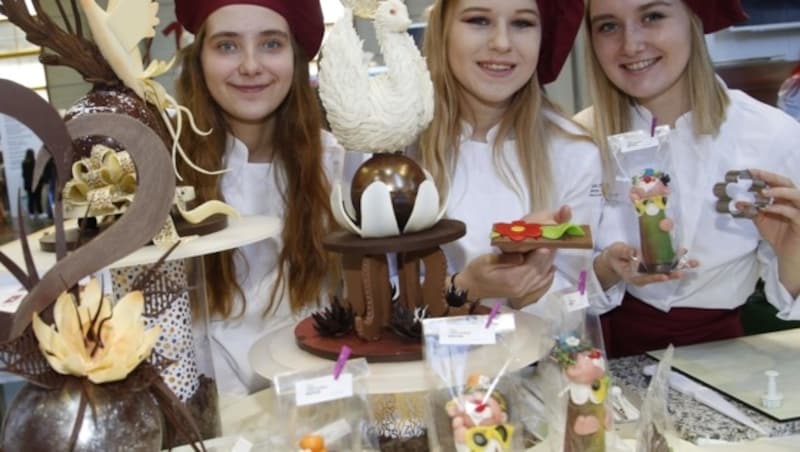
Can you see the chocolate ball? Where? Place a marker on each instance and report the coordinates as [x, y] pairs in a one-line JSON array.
[[402, 175]]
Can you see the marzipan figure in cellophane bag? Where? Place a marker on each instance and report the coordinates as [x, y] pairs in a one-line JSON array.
[[587, 387], [480, 423], [474, 402]]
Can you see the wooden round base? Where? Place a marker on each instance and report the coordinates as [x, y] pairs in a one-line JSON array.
[[390, 349]]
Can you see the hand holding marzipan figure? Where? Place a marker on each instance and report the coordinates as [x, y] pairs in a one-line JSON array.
[[620, 262]]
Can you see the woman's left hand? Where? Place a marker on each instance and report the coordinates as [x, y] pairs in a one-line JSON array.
[[779, 224]]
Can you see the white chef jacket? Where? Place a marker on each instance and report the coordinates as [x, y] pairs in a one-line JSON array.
[[731, 252], [252, 189], [479, 197]]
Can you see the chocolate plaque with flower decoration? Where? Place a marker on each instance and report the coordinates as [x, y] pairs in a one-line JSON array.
[[520, 236]]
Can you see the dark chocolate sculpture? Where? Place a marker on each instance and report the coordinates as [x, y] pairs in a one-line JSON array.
[[46, 428]]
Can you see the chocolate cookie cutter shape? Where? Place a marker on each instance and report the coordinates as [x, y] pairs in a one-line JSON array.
[[741, 187]]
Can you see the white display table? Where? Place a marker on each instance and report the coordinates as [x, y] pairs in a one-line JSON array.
[[277, 353]]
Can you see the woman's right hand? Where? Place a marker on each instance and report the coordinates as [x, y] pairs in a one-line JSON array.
[[620, 262], [520, 277]]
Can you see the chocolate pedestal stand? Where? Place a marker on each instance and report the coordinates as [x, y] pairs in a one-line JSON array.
[[366, 278]]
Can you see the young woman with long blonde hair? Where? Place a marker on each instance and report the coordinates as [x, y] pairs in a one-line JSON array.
[[498, 148], [648, 61]]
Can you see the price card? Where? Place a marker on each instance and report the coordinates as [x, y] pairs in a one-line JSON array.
[[323, 389], [467, 331], [576, 301]]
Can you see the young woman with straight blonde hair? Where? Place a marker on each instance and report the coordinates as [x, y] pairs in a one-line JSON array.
[[648, 62], [498, 148]]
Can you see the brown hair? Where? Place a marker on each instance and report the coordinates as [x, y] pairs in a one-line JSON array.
[[524, 118], [297, 145], [708, 99]]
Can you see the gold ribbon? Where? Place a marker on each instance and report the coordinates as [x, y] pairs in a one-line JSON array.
[[105, 182], [102, 184]]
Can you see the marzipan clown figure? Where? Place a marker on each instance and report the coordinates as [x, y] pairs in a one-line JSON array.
[[480, 423], [587, 387]]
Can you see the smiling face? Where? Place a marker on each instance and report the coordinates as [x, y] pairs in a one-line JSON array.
[[493, 49], [248, 62], [643, 46]]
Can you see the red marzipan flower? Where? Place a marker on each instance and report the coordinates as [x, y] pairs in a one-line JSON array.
[[518, 230]]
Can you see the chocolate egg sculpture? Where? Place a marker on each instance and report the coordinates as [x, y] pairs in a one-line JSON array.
[[90, 392], [125, 88]]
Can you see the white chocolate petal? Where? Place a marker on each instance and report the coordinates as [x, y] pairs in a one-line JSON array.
[[339, 213], [377, 214], [426, 208]]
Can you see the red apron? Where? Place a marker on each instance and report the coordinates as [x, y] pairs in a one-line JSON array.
[[636, 327]]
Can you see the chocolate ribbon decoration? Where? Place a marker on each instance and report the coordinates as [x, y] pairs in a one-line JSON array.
[[143, 218], [105, 184], [102, 184]]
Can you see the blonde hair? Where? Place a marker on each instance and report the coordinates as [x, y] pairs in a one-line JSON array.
[[524, 118], [303, 265], [708, 99]]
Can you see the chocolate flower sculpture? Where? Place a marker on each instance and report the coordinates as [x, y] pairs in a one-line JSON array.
[[390, 195], [93, 339]]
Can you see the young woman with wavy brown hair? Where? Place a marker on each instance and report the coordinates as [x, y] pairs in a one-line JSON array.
[[245, 78]]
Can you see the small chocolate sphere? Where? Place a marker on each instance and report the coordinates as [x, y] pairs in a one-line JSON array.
[[401, 174]]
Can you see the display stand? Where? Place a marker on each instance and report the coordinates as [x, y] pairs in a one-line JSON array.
[[240, 232], [366, 274], [277, 353], [178, 305]]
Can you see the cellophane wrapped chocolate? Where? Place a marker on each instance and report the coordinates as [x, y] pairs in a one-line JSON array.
[[322, 410], [473, 403], [573, 381]]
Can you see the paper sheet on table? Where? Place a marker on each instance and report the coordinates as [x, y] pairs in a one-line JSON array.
[[708, 397], [783, 444], [616, 444]]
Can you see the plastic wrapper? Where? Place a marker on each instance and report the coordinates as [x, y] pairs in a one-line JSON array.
[[655, 421], [325, 413], [573, 382], [645, 177], [473, 403], [789, 94]]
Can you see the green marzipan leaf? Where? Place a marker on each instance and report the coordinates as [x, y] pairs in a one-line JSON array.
[[556, 231]]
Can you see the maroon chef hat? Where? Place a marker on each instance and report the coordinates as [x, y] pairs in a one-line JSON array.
[[560, 21], [717, 14], [303, 16]]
